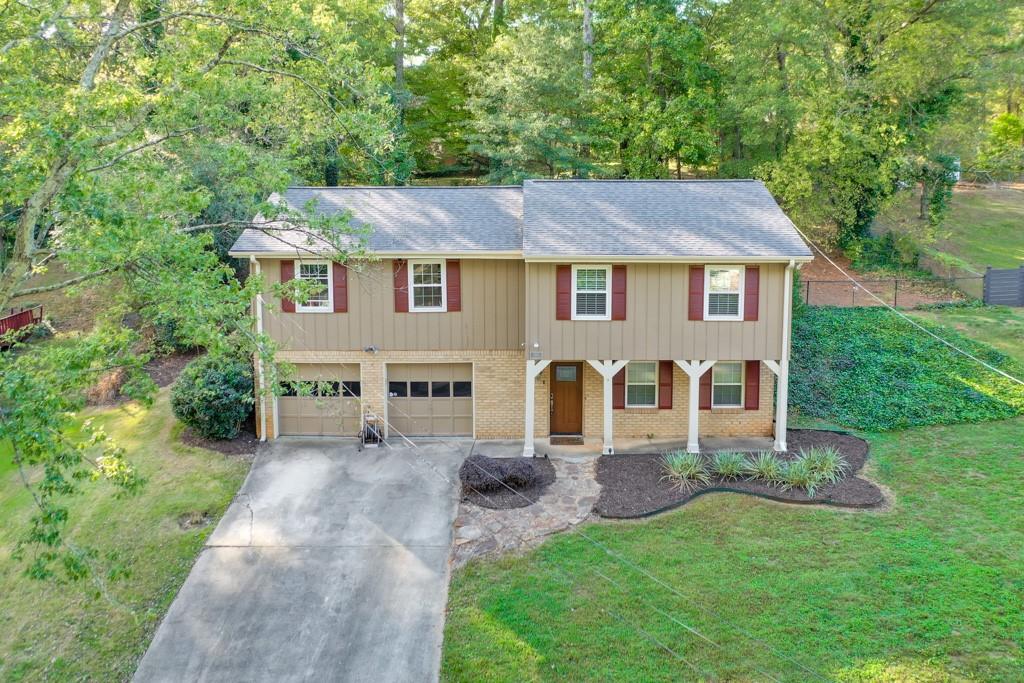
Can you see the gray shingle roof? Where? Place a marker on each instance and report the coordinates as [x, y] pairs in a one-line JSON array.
[[720, 218], [554, 218], [409, 219]]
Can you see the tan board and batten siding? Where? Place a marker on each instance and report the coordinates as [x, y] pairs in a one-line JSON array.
[[656, 325], [492, 313]]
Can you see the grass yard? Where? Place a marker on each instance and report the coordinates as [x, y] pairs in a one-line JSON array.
[[1001, 327], [930, 590], [983, 228], [65, 631]]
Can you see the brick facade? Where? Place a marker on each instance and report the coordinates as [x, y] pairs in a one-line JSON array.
[[499, 380]]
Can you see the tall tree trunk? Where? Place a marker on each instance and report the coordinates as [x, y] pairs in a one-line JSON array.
[[588, 70], [400, 56], [588, 42], [781, 138], [922, 212], [498, 18]]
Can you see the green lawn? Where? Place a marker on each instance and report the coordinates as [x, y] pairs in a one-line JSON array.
[[65, 631], [1001, 327], [929, 590], [985, 227]]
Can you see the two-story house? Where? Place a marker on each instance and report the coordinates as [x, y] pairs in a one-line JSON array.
[[604, 309]]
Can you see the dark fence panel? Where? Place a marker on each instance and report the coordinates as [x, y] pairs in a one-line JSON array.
[[1004, 286]]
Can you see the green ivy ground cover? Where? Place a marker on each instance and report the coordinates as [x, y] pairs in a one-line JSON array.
[[869, 368]]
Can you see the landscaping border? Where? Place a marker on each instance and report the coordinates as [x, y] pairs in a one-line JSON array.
[[875, 498]]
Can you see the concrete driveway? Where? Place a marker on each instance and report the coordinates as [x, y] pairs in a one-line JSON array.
[[331, 564]]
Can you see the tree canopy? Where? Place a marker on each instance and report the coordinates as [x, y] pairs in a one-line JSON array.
[[137, 137]]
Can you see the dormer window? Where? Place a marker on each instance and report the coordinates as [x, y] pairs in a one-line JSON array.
[[591, 298], [427, 286]]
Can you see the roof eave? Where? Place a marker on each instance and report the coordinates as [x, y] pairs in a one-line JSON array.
[[625, 258], [510, 254]]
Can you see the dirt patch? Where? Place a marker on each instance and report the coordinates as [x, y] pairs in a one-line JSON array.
[[194, 520], [244, 445], [634, 485], [822, 284], [165, 369], [505, 499]]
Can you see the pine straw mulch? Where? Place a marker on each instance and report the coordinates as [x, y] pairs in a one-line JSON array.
[[634, 485]]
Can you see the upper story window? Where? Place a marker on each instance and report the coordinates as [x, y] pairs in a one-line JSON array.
[[727, 385], [642, 384], [320, 273], [427, 286], [723, 296], [591, 298]]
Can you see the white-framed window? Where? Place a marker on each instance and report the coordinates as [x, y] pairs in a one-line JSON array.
[[428, 286], [591, 292], [319, 272], [642, 384], [723, 292], [727, 384]]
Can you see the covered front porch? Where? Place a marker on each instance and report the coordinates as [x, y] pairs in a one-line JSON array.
[[610, 406]]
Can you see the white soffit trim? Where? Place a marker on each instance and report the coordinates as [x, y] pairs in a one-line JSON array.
[[387, 254], [624, 258]]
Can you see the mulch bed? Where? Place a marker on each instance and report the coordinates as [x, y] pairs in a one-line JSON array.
[[165, 369], [504, 499], [633, 485], [243, 445]]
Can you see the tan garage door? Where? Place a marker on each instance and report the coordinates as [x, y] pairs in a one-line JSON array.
[[431, 399], [322, 399]]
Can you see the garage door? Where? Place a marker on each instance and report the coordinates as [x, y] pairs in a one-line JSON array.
[[431, 399], [320, 400]]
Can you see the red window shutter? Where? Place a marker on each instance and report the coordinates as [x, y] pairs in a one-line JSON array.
[[704, 403], [752, 390], [619, 389], [665, 384], [340, 277], [696, 293], [563, 295], [401, 286], [751, 289], [618, 292], [453, 280], [287, 273]]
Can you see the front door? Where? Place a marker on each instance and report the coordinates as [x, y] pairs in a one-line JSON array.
[[566, 398]]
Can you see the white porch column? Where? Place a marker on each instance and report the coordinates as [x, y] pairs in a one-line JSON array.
[[607, 370], [533, 368], [781, 369], [693, 369]]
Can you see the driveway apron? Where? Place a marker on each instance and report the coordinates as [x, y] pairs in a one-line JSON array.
[[331, 564]]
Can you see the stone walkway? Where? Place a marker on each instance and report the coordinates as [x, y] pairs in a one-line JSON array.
[[567, 502]]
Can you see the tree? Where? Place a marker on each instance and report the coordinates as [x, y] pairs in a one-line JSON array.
[[111, 117], [529, 117]]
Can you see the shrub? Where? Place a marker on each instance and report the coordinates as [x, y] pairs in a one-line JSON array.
[[213, 395], [686, 471], [765, 466], [825, 462], [483, 474], [728, 464], [798, 474]]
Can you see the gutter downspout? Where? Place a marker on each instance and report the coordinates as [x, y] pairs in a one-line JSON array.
[[259, 361]]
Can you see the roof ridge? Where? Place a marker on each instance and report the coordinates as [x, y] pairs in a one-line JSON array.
[[404, 187], [643, 180]]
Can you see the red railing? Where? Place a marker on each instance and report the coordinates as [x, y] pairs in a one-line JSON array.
[[17, 319]]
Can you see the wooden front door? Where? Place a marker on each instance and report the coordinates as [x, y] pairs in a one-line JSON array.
[[566, 398]]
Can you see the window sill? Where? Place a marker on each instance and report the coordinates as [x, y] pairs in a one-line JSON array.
[[428, 310], [737, 319], [727, 410], [313, 310], [639, 409]]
